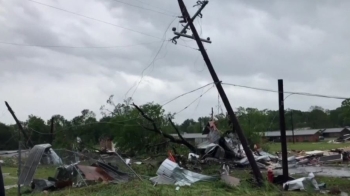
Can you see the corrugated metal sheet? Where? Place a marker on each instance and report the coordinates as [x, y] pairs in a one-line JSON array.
[[28, 170], [181, 176], [161, 179], [334, 130], [290, 133]]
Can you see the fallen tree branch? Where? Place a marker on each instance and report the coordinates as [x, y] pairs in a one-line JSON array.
[[168, 136], [185, 142]]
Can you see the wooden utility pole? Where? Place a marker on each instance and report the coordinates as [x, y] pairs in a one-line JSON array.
[[283, 130], [2, 185], [212, 114], [292, 123], [233, 118], [19, 163], [51, 130], [19, 124]]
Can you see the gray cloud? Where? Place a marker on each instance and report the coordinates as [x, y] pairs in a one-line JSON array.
[[254, 43]]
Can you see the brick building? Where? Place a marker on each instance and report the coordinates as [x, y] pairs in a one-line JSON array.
[[194, 138], [335, 132], [311, 135]]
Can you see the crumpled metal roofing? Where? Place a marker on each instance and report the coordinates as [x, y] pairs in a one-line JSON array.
[[34, 158], [169, 172]]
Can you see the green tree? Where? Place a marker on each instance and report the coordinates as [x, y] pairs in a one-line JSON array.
[[37, 129], [318, 118], [8, 137], [345, 112]]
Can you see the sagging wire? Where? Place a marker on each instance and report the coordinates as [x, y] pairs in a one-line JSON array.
[[68, 127], [193, 101], [77, 47], [152, 62], [287, 92], [155, 11], [186, 93]]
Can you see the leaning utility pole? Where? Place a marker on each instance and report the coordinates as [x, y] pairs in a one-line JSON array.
[[19, 124], [221, 91]]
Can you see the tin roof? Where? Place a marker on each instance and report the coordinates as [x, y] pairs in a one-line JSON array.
[[29, 168], [334, 130], [290, 133], [190, 135]]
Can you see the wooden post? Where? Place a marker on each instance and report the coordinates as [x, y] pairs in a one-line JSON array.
[[291, 118], [51, 130], [2, 185], [283, 130]]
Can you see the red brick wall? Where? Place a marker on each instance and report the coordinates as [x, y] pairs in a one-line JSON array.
[[304, 138]]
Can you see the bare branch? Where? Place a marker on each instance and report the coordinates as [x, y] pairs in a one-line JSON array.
[[185, 142], [168, 136]]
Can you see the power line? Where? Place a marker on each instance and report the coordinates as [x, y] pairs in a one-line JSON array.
[[186, 93], [288, 92], [153, 60], [159, 12], [95, 19], [156, 7], [3, 145], [74, 47], [195, 109], [86, 124], [194, 101], [142, 73]]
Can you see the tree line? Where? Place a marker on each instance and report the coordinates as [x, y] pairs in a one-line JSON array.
[[131, 132]]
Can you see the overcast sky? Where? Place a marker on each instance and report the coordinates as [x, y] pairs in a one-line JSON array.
[[254, 43]]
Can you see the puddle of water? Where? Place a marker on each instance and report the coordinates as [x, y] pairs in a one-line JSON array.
[[320, 171]]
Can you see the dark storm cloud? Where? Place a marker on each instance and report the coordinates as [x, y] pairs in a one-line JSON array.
[[254, 43]]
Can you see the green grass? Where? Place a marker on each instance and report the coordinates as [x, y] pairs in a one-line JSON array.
[[217, 188], [11, 179], [307, 146], [136, 187], [202, 188]]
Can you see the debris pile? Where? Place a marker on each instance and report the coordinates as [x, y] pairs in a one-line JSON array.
[[82, 167], [77, 174]]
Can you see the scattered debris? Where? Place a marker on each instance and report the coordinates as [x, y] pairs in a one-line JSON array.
[[226, 178], [300, 183], [41, 153], [170, 172]]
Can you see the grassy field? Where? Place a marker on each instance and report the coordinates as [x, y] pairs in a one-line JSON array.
[[307, 146], [136, 187], [217, 188]]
